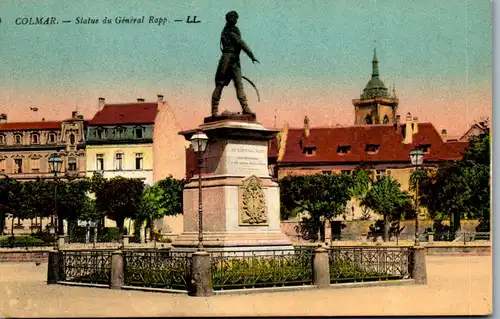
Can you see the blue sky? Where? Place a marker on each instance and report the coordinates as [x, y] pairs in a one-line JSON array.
[[315, 57]]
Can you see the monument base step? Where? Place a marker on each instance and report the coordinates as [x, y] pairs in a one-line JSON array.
[[241, 241]]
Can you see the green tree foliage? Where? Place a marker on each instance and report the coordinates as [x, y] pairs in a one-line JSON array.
[[162, 199], [459, 189], [386, 198], [323, 196], [120, 198]]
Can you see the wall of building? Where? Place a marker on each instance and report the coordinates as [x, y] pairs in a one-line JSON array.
[[129, 156]]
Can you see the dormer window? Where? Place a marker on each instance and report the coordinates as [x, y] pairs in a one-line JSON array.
[[425, 148], [343, 149], [52, 138], [311, 150], [372, 148], [35, 138], [138, 132], [100, 133], [119, 133], [18, 139]]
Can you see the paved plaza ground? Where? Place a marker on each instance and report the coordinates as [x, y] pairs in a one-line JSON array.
[[456, 286]]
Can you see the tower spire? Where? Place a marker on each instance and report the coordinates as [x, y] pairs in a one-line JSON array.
[[375, 64]]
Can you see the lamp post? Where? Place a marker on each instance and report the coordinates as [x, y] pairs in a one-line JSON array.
[[55, 163], [417, 159], [199, 142]]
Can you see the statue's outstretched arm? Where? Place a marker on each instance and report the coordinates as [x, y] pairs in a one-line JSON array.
[[243, 46]]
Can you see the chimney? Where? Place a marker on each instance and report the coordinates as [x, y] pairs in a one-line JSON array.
[[306, 126], [444, 134], [3, 118], [408, 130], [74, 114], [415, 125], [140, 100], [102, 101], [160, 98]]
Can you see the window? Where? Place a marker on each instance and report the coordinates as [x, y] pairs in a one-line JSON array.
[[425, 148], [368, 119], [71, 164], [309, 150], [100, 133], [372, 148], [138, 133], [18, 139], [18, 163], [72, 139], [52, 137], [3, 164], [119, 133], [35, 138], [119, 161], [138, 161], [343, 149], [99, 162], [327, 172], [35, 164], [2, 139], [386, 120], [345, 171], [380, 173]]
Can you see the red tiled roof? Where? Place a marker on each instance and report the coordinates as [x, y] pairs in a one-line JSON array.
[[131, 113], [26, 126], [391, 148]]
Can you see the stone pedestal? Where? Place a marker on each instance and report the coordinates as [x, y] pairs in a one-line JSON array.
[[240, 201]]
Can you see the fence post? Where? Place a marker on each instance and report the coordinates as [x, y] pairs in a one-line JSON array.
[[430, 239], [321, 268], [418, 266], [201, 275], [117, 276], [53, 268], [61, 241]]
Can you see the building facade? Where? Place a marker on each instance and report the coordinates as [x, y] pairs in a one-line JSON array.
[[120, 141], [26, 146]]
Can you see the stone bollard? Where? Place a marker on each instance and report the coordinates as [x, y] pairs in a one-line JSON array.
[[117, 276], [201, 275], [53, 268], [321, 268], [430, 240], [61, 241], [418, 266], [125, 240]]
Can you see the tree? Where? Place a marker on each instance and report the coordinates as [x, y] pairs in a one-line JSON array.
[[323, 196], [71, 200], [162, 199], [362, 181], [120, 198], [459, 189], [386, 198]]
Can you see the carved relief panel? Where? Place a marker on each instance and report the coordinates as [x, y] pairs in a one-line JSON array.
[[252, 203]]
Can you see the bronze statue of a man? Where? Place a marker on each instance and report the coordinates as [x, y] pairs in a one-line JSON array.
[[229, 67]]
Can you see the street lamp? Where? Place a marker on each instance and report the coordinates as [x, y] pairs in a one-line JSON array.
[[417, 159], [199, 142], [55, 163]]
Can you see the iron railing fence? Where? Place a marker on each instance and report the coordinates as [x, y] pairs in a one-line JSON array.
[[444, 236], [157, 268], [85, 266], [261, 268], [358, 264]]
